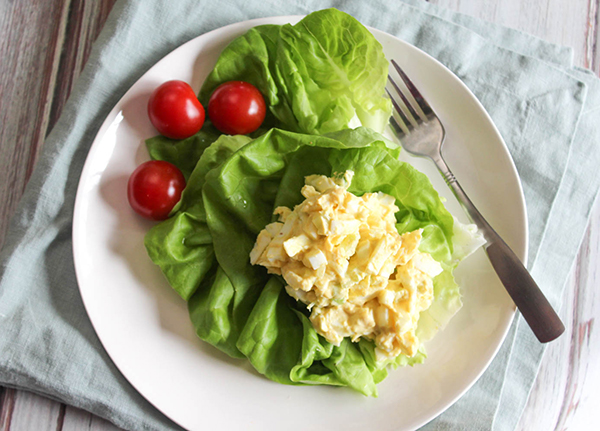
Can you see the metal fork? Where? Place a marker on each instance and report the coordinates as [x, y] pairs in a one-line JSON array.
[[424, 136]]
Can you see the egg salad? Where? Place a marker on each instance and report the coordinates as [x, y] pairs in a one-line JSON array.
[[343, 257]]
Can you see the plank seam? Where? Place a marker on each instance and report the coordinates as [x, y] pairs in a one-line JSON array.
[[40, 135], [84, 25], [60, 421], [595, 59], [68, 63], [590, 33], [7, 402]]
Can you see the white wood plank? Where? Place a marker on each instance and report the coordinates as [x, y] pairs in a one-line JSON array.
[[79, 420], [99, 424], [33, 412], [76, 420]]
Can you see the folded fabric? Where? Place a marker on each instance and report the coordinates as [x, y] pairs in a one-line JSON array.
[[542, 106]]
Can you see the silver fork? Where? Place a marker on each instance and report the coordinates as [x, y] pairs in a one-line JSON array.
[[424, 136]]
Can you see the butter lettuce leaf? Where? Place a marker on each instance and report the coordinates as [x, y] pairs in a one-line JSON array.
[[182, 245], [317, 76], [183, 153], [203, 250]]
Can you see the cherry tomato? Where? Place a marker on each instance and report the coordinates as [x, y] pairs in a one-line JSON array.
[[236, 108], [175, 110], [154, 188]]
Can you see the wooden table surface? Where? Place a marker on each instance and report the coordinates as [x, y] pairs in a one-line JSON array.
[[45, 43]]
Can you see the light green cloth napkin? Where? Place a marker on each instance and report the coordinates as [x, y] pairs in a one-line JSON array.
[[543, 107]]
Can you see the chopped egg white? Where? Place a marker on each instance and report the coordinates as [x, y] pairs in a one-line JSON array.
[[342, 256]]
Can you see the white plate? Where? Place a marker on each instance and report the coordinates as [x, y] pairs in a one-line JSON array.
[[144, 325]]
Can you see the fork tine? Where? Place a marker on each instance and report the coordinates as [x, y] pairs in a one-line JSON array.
[[415, 93], [408, 105], [399, 131], [401, 114]]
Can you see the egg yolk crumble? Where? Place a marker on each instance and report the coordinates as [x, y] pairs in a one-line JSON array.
[[343, 257]]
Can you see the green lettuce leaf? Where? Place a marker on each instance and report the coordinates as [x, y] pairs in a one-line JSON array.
[[273, 333], [316, 76], [182, 245], [183, 153], [204, 248], [446, 302]]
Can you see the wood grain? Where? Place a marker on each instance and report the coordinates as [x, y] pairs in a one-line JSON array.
[[592, 35], [26, 88], [46, 414], [84, 22], [44, 45], [76, 420], [7, 401]]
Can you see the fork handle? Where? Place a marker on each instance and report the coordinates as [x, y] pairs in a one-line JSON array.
[[527, 296]]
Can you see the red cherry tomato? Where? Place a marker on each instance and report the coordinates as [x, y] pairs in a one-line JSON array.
[[154, 188], [236, 108], [175, 110]]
